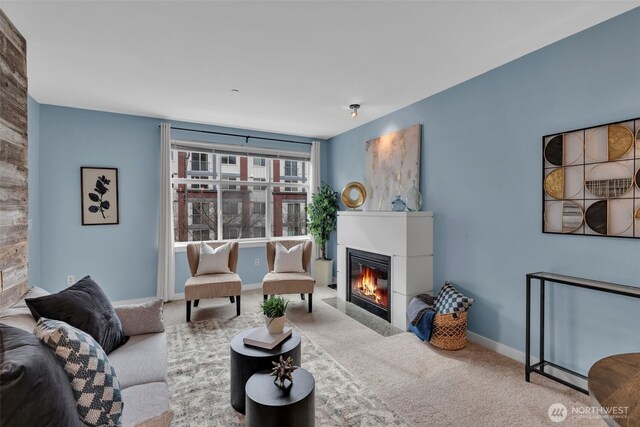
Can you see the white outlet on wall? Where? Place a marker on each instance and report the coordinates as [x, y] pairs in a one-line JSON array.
[[71, 279], [257, 261]]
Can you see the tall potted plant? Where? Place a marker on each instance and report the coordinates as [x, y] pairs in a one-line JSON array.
[[323, 213]]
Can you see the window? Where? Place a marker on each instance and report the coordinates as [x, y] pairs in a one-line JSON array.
[[290, 168], [237, 195], [201, 235], [293, 220], [231, 208], [199, 162], [229, 186], [228, 160], [257, 232], [259, 208], [194, 211]]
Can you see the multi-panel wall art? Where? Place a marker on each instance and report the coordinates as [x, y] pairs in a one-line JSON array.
[[591, 181]]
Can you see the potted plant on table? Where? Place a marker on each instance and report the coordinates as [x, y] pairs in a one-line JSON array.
[[323, 214], [273, 310]]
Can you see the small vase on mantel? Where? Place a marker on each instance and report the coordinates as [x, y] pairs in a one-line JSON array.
[[413, 199], [397, 205]]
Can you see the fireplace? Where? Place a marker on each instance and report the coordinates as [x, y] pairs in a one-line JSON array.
[[369, 282]]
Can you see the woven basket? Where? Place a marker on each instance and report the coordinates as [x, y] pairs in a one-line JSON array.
[[449, 333]]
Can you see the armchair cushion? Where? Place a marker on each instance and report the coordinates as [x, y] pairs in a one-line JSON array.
[[287, 283], [288, 260], [143, 318], [213, 261], [212, 286]]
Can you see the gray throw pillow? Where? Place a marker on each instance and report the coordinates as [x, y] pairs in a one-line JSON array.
[[34, 390], [143, 318], [93, 380]]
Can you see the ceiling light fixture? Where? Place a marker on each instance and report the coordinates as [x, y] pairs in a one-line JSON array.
[[354, 110]]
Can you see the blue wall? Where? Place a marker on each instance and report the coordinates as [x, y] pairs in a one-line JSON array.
[[481, 175], [33, 129], [121, 258]]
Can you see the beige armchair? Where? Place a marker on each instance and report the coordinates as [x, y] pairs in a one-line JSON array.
[[289, 283], [206, 286]]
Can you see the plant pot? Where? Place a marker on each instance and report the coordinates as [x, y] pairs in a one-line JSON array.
[[275, 325], [323, 271]]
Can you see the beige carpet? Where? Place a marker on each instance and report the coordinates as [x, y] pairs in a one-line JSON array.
[[425, 386]]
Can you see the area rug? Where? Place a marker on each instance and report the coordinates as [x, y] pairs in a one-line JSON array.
[[199, 379]]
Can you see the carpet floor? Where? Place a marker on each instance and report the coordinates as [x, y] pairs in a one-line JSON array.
[[423, 385]]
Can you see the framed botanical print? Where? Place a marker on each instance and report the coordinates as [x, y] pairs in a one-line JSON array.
[[99, 195]]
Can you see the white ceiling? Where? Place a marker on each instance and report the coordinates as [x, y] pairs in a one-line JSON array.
[[297, 64]]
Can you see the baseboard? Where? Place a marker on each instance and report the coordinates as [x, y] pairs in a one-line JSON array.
[[519, 356], [247, 287], [496, 346], [133, 301]]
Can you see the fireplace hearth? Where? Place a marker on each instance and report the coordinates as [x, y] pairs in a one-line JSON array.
[[370, 282]]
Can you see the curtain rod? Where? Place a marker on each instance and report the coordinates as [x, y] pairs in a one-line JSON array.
[[246, 137]]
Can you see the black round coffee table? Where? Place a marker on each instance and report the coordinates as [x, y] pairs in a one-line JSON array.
[[246, 361], [268, 406]]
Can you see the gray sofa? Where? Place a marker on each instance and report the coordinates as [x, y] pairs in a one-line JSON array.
[[141, 363]]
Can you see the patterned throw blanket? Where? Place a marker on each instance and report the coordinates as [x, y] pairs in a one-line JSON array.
[[420, 313], [418, 306]]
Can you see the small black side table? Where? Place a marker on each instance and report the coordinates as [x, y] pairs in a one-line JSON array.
[[246, 361], [268, 406]]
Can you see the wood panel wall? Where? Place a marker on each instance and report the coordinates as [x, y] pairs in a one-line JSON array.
[[13, 163]]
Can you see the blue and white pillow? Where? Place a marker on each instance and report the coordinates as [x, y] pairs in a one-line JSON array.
[[93, 380], [451, 301]]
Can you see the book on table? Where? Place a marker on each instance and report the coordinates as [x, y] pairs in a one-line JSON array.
[[261, 338]]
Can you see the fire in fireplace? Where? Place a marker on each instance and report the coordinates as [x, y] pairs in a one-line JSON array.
[[366, 284], [370, 282]]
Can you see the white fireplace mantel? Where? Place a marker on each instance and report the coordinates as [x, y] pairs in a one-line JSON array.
[[406, 237]]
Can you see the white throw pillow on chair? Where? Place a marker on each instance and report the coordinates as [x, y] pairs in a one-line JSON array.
[[288, 260], [213, 261]]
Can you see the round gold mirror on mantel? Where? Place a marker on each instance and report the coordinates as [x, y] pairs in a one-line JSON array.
[[353, 195]]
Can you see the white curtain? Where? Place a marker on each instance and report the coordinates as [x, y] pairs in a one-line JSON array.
[[166, 260], [314, 181]]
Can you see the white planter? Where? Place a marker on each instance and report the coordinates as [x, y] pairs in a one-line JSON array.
[[274, 326], [323, 271]]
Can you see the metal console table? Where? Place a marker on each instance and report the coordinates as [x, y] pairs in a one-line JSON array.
[[629, 291]]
